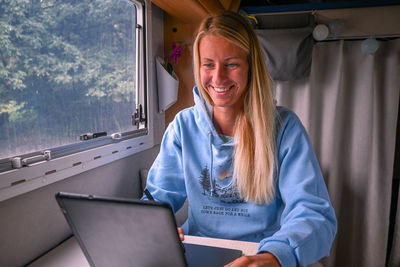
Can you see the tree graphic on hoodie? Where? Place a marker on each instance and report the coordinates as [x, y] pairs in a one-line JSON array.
[[205, 180]]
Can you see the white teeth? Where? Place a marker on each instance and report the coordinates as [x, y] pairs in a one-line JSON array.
[[221, 89]]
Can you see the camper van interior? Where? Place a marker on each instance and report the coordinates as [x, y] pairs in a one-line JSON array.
[[85, 99]]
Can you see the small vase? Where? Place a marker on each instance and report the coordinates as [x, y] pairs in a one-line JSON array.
[[167, 86]]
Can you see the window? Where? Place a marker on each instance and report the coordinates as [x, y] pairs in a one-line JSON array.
[[69, 72]]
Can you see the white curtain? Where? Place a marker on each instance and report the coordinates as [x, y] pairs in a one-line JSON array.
[[349, 106]]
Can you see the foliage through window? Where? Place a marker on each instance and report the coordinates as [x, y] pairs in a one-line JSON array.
[[67, 67]]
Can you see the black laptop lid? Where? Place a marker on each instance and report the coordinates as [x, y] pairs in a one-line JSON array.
[[110, 229]]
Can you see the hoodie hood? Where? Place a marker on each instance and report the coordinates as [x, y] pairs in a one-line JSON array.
[[203, 116]]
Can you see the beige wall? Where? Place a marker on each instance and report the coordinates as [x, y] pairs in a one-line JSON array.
[[365, 21]]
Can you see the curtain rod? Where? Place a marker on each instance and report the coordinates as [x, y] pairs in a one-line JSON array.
[[307, 7], [361, 37]]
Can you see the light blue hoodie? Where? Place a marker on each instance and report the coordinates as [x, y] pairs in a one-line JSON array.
[[195, 162]]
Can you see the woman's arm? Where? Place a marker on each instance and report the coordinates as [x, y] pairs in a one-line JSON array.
[[308, 221], [165, 180]]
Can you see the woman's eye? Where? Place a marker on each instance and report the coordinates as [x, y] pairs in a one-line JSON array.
[[208, 65], [232, 65]]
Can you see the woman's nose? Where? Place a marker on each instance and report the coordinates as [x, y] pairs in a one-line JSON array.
[[219, 75]]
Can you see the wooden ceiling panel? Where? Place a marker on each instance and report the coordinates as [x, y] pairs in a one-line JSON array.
[[193, 11]]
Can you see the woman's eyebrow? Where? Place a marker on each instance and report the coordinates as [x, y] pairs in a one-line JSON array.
[[226, 59], [231, 58]]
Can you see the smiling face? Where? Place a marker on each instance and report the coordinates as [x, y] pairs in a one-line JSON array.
[[224, 71]]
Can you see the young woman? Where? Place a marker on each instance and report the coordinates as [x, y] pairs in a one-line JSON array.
[[246, 166]]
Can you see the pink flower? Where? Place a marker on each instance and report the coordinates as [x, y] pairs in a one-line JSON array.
[[176, 52]]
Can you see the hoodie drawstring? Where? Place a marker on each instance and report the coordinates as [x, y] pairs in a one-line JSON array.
[[211, 165]]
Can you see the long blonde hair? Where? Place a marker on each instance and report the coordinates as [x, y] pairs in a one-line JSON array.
[[254, 154]]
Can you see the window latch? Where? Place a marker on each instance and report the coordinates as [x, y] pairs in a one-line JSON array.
[[88, 136], [138, 117], [19, 162]]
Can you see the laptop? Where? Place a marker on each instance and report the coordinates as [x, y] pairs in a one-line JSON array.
[[131, 232]]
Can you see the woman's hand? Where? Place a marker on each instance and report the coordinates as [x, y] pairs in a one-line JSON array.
[[181, 234], [259, 260]]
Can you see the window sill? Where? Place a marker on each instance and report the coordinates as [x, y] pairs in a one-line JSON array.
[[34, 176]]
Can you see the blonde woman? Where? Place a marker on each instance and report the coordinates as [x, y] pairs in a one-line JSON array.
[[246, 166]]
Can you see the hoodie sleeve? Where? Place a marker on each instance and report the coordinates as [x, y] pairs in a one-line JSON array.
[[165, 180], [308, 221]]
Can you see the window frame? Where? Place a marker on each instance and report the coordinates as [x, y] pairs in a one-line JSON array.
[[48, 166]]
